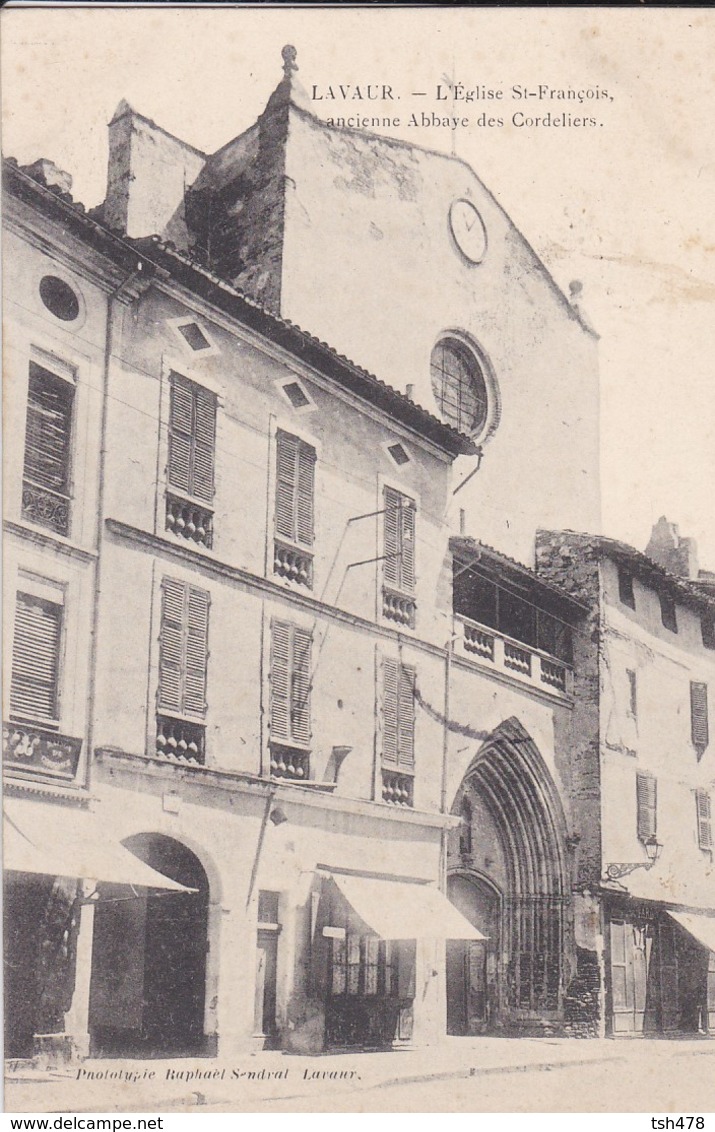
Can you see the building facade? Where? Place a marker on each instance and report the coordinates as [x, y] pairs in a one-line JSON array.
[[266, 707], [643, 774]]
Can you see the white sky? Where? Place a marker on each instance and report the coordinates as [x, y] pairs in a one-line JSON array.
[[627, 207]]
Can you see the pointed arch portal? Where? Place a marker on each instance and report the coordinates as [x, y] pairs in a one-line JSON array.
[[510, 885]]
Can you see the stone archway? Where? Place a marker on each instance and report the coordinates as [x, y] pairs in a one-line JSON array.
[[148, 988], [515, 848]]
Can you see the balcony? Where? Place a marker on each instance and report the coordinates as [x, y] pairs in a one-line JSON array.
[[45, 507], [180, 740], [502, 653], [189, 521], [290, 762], [398, 607], [294, 564], [37, 751], [397, 789]]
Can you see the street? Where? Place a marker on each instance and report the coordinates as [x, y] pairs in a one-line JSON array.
[[460, 1075]]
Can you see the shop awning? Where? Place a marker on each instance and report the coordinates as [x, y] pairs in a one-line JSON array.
[[701, 928], [55, 840], [403, 910]]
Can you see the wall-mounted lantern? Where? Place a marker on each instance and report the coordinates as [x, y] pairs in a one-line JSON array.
[[620, 869]]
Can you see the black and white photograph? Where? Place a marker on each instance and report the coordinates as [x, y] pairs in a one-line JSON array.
[[359, 559]]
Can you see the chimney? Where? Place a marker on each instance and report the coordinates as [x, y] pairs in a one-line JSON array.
[[49, 174], [668, 549], [148, 173]]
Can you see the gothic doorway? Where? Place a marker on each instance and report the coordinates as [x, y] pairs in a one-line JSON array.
[[506, 866], [148, 984]]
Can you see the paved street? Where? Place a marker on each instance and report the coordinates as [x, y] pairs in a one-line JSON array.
[[468, 1075]]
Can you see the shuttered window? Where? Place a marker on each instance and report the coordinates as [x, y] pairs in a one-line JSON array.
[[399, 541], [704, 812], [192, 438], [183, 650], [398, 715], [699, 715], [295, 489], [703, 806], [48, 431], [647, 799], [290, 683], [34, 686]]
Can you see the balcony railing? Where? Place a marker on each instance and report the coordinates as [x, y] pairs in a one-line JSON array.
[[40, 752], [294, 564], [180, 740], [397, 789], [398, 607], [45, 507], [480, 643], [289, 762], [189, 520]]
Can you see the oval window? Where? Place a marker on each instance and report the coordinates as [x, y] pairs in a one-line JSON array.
[[59, 298]]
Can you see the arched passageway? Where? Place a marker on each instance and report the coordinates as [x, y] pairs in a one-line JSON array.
[[148, 986], [506, 866]]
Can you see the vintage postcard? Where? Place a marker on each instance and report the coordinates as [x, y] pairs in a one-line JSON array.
[[359, 559]]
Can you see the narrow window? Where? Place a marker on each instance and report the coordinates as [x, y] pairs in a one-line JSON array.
[[647, 799], [398, 733], [34, 685], [699, 716], [703, 806], [183, 657], [632, 693], [290, 732], [399, 558], [48, 433], [667, 612], [192, 450], [465, 828], [266, 964], [707, 628], [295, 509], [625, 588]]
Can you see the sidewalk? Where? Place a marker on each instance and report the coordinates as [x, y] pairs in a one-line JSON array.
[[165, 1086]]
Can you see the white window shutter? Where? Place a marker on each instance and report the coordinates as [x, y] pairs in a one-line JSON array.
[[647, 801], [300, 686], [280, 681], [699, 715], [703, 804], [406, 718], [35, 658], [390, 711]]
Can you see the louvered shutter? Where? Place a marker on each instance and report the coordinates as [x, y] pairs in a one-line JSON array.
[[647, 799], [703, 804], [197, 627], [192, 438], [286, 476], [183, 651], [280, 681], [35, 658], [305, 494], [48, 430], [202, 485], [408, 544], [406, 718], [391, 548], [181, 421], [171, 648], [300, 686], [699, 715], [389, 711]]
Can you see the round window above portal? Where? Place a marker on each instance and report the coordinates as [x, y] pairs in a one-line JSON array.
[[460, 386]]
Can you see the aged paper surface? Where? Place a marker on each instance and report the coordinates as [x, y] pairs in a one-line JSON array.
[[592, 132]]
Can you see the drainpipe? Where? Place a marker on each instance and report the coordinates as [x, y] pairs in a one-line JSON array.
[[108, 351], [445, 756]]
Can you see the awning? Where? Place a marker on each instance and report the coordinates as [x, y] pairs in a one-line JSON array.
[[701, 928], [403, 910], [56, 840]]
